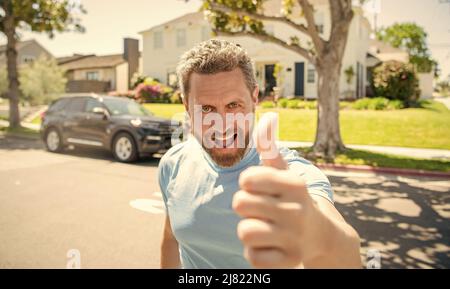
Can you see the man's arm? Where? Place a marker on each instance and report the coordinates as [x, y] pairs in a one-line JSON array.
[[340, 241], [170, 258], [284, 226]]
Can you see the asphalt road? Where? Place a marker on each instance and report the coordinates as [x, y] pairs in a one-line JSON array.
[[112, 213]]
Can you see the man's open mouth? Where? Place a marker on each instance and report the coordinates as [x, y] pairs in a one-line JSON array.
[[226, 141]]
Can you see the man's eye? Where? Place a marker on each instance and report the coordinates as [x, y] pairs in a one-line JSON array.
[[206, 109], [233, 105]]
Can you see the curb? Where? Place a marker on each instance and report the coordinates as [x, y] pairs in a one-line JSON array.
[[392, 171]]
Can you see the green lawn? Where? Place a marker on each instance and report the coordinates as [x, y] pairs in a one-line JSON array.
[[36, 120], [165, 110], [427, 127], [20, 131]]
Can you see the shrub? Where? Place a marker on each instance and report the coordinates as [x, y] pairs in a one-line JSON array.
[[150, 90], [176, 97], [41, 81], [267, 104], [395, 80], [362, 103], [293, 103], [378, 103], [282, 102], [345, 104], [310, 104], [396, 104]]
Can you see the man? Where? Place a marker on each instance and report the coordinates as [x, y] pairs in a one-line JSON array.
[[228, 206]]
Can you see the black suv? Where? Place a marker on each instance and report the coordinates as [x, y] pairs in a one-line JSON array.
[[118, 124]]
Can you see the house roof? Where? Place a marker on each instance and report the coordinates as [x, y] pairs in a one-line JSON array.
[[65, 59], [21, 44], [91, 61], [381, 47], [194, 16]]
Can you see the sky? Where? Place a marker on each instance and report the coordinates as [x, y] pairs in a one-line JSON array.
[[107, 22]]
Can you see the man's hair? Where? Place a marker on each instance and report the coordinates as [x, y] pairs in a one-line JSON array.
[[214, 56]]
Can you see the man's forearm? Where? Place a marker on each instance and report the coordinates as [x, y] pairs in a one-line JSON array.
[[170, 257], [343, 250], [339, 242]]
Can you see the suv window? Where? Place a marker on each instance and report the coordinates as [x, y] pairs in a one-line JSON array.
[[91, 103], [76, 105], [58, 105]]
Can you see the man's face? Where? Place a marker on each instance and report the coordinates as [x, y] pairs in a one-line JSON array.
[[222, 108]]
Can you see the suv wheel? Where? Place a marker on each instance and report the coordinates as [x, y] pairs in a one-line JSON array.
[[53, 140], [124, 149]]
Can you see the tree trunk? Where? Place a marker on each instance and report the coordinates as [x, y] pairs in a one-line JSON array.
[[11, 55], [328, 136]]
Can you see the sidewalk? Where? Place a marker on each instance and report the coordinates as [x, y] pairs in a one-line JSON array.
[[444, 100], [400, 151]]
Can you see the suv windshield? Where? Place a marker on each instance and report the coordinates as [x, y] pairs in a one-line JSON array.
[[125, 106]]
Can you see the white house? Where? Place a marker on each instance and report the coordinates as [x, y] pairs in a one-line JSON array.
[[164, 44]]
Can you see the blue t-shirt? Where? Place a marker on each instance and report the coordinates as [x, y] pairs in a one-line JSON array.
[[198, 195]]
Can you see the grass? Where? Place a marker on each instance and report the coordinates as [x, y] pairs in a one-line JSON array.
[[359, 157], [427, 127], [165, 110], [20, 131], [36, 120]]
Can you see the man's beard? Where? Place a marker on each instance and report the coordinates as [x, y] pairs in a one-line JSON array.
[[228, 159]]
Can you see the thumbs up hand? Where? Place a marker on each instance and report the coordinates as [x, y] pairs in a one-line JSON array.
[[281, 224]]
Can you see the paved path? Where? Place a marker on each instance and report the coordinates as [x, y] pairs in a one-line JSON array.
[[444, 100], [401, 151]]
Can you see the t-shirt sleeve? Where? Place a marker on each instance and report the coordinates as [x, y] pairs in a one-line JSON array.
[[163, 179], [316, 181]]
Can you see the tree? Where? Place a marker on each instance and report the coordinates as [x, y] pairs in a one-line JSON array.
[[47, 16], [41, 81], [413, 39], [245, 18]]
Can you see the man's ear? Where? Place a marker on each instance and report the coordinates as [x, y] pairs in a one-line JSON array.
[[185, 102], [255, 95]]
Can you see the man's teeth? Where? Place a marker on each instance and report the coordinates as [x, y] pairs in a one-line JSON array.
[[225, 142]]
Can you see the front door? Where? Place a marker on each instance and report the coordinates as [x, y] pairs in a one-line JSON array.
[[299, 79], [269, 78]]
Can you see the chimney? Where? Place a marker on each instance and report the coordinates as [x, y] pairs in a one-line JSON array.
[[131, 55]]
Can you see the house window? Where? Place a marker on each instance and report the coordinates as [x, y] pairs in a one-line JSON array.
[[319, 28], [206, 33], [319, 19], [28, 59], [181, 37], [311, 76], [92, 75], [158, 40]]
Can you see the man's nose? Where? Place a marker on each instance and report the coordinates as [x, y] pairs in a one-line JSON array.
[[227, 123]]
